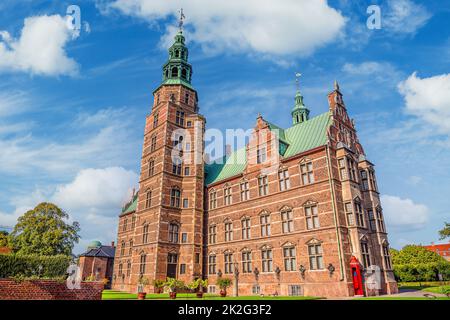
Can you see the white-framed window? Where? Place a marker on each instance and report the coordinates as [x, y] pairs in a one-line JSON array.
[[315, 257], [227, 196], [263, 185], [173, 232], [287, 219], [365, 254], [245, 191], [284, 180], [290, 261], [267, 260], [312, 217], [349, 214], [359, 214], [264, 220], [175, 195], [228, 231], [245, 224], [261, 156], [306, 170]]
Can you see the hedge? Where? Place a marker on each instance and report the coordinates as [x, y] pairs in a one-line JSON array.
[[422, 271], [33, 266]]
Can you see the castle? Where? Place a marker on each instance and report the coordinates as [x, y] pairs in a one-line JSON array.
[[295, 212]]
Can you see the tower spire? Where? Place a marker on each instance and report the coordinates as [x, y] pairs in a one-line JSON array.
[[299, 113], [181, 21]]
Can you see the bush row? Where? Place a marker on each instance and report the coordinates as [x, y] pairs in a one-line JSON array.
[[34, 266], [422, 271]]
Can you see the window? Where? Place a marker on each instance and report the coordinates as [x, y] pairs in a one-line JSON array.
[[212, 234], [153, 143], [130, 250], [245, 191], [265, 225], [387, 257], [133, 222], [174, 72], [212, 264], [228, 258], [142, 264], [186, 96], [287, 221], [351, 169], [184, 237], [312, 217], [182, 268], [365, 254], [187, 171], [373, 180], [306, 170], [315, 257], [349, 214], [175, 195], [381, 226], [176, 166], [120, 269], [289, 259], [145, 234], [172, 258], [212, 200], [128, 268], [263, 186], [227, 196], [148, 199], [155, 120], [261, 155], [179, 118], [122, 248], [364, 180], [247, 262], [245, 228], [256, 289], [189, 124], [359, 214], [266, 255], [151, 168], [284, 180], [342, 169], [211, 289], [124, 228], [185, 203], [228, 231], [295, 290], [173, 233], [372, 220]]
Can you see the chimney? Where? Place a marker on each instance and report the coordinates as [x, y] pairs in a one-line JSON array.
[[112, 244]]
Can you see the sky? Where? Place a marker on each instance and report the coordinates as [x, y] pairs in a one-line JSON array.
[[73, 102]]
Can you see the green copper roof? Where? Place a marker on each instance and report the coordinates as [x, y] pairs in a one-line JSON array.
[[300, 138], [131, 206]]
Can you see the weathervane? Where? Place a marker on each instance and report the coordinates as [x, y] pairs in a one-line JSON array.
[[182, 17], [297, 80]]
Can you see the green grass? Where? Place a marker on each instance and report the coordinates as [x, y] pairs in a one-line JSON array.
[[402, 298], [439, 289], [118, 295]]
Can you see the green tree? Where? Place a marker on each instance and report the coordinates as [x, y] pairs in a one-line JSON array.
[[44, 231], [412, 254], [445, 233], [3, 239]]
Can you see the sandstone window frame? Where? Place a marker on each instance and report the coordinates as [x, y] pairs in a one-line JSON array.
[[312, 219], [125, 225], [228, 262], [287, 220], [266, 259], [228, 195], [342, 165], [365, 253], [359, 213], [307, 172], [245, 228], [244, 190], [315, 255], [364, 176], [130, 250], [228, 230], [133, 222], [265, 223], [177, 164], [175, 197], [180, 117], [284, 181], [128, 268], [246, 256], [348, 208], [263, 185], [289, 258]]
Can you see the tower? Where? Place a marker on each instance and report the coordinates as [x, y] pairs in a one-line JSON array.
[[167, 239], [300, 113]]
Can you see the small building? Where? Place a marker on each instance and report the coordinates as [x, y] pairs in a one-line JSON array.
[[97, 262], [441, 249]]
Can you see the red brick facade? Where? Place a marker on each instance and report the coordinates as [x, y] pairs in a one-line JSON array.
[[316, 223], [48, 290]]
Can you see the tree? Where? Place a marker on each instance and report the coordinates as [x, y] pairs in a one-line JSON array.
[[445, 233], [412, 254], [3, 239], [43, 231]]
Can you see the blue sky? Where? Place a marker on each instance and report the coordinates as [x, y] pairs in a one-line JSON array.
[[72, 106]]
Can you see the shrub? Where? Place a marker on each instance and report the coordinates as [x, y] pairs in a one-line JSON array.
[[224, 283], [33, 266], [422, 271]]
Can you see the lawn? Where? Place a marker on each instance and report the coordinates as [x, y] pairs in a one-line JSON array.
[[402, 298], [119, 295]]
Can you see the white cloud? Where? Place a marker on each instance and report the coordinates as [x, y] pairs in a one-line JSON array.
[[268, 27], [404, 214], [96, 188], [405, 17], [428, 99], [40, 48]]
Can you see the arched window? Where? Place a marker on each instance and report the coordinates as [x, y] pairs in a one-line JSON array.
[[148, 199], [174, 72], [173, 233], [177, 53], [175, 195], [184, 74]]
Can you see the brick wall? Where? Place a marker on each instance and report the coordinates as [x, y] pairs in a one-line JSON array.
[[48, 290]]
